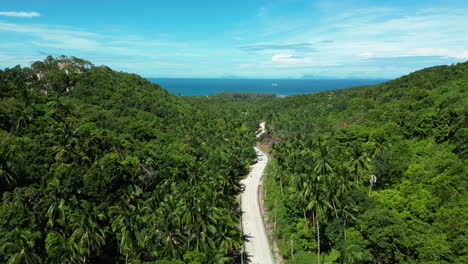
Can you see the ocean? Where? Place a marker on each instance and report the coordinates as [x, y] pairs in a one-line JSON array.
[[282, 87]]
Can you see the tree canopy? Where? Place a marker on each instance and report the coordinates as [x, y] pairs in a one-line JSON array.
[[99, 166], [375, 173]]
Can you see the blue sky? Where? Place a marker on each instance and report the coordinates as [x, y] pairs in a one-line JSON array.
[[265, 39]]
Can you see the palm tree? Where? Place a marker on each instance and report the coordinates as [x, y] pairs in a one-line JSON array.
[[5, 175], [303, 192], [351, 253], [56, 211], [60, 249], [277, 175], [22, 247], [339, 185], [225, 240], [359, 163], [168, 225], [322, 160], [87, 233], [319, 205], [319, 202], [127, 222]]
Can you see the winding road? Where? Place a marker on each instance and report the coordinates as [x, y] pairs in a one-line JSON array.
[[256, 247]]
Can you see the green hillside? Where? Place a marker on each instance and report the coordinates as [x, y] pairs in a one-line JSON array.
[[98, 166], [410, 133]]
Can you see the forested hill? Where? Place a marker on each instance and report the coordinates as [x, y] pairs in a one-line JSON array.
[[98, 166], [373, 174]]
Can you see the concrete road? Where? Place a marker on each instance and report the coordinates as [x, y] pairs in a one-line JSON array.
[[257, 246], [261, 130]]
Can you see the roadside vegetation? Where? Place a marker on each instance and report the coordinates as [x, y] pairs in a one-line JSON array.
[[373, 174]]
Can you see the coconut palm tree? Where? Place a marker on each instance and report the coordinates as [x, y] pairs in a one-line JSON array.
[[167, 221], [339, 184], [21, 248], [56, 211], [319, 203], [323, 165], [5, 175], [61, 249], [87, 233], [127, 222], [302, 191], [359, 163]]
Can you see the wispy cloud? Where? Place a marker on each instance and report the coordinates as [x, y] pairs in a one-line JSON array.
[[298, 47], [287, 58], [137, 54], [269, 41], [362, 39], [53, 36], [20, 14]]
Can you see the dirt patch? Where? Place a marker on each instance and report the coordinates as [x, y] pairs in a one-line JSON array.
[[267, 142], [344, 124]]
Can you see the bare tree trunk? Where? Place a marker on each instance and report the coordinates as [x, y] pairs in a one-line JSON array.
[[334, 208], [276, 211], [313, 224], [344, 230], [292, 250], [318, 241], [281, 186], [305, 218]]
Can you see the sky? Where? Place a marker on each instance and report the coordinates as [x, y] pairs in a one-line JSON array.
[[252, 39]]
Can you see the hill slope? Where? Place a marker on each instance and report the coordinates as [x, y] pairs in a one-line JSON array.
[[98, 166], [410, 133]]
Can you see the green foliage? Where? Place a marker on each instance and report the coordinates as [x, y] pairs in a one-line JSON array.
[[236, 96], [98, 166], [408, 134]]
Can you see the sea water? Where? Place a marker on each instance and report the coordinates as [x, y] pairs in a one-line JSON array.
[[189, 86]]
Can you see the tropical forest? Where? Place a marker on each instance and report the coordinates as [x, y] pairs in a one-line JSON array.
[[104, 166]]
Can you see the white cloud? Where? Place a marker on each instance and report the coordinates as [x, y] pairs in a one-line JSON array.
[[367, 54], [43, 30], [356, 41], [286, 58], [54, 36], [462, 54], [20, 14]]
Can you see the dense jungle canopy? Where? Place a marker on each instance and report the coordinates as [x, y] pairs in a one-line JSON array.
[[99, 166]]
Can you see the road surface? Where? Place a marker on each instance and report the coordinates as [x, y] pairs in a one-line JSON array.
[[257, 246], [261, 130]]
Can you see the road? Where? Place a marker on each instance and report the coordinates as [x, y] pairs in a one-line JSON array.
[[261, 130], [257, 246]]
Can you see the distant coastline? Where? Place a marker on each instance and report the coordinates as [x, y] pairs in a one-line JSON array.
[[283, 87]]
